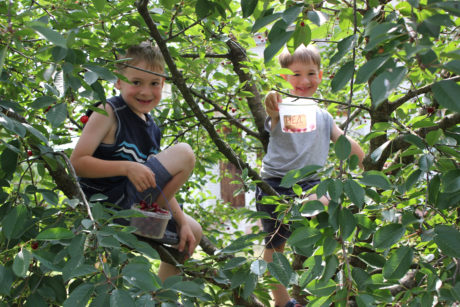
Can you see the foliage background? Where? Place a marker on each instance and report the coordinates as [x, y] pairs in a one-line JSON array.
[[390, 235]]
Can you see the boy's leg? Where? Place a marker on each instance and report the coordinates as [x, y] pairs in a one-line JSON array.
[[179, 161], [166, 270], [279, 292]]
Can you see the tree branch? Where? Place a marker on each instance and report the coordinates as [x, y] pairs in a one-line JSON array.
[[179, 81]]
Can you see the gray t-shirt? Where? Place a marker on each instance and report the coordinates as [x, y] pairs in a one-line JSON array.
[[290, 151]]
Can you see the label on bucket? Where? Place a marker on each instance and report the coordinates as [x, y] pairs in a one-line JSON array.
[[297, 115]]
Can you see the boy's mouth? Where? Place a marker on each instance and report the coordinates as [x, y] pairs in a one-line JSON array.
[[144, 101]]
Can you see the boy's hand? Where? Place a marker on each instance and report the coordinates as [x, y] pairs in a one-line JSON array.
[[187, 239], [271, 104], [141, 176]]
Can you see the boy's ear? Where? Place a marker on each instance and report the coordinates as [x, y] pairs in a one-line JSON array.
[[320, 75], [118, 84], [284, 77]]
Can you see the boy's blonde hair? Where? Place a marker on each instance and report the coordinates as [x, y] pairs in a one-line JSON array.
[[144, 52], [309, 54]]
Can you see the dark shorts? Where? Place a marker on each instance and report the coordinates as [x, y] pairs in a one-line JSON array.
[[278, 233]]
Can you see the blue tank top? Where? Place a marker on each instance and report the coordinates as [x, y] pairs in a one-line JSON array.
[[135, 140]]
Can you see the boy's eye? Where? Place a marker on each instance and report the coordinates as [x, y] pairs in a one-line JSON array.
[[136, 82]]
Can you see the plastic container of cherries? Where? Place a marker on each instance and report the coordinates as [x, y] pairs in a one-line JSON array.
[[154, 222]]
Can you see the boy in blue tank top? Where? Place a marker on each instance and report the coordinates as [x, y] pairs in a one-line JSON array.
[[119, 155], [291, 151]]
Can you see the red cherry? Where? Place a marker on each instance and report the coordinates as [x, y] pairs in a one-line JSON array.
[[302, 24], [142, 204], [29, 153], [34, 245], [430, 110], [84, 119]]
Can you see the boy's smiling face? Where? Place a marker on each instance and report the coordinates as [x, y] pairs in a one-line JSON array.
[[144, 92], [306, 78]]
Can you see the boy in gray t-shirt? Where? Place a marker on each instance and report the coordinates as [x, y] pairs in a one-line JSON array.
[[290, 151]]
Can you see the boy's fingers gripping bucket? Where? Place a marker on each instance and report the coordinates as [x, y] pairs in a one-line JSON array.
[[297, 115]]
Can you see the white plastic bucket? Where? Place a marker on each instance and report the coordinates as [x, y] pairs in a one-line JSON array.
[[297, 115]]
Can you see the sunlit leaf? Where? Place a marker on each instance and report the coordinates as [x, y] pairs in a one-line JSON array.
[[388, 235], [446, 93], [399, 263], [385, 83]]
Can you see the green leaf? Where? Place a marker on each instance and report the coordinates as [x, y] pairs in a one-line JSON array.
[[188, 288], [121, 297], [413, 178], [202, 8], [13, 224], [12, 125], [317, 17], [291, 14], [452, 7], [99, 5], [355, 192], [332, 263], [372, 259], [280, 269], [446, 92], [248, 7], [91, 77], [2, 57], [139, 275], [6, 280], [80, 295], [414, 140], [369, 68], [385, 83], [249, 285], [376, 179], [361, 277], [294, 176], [399, 263], [312, 208], [259, 267], [21, 263], [49, 196], [453, 66], [447, 238], [278, 38], [335, 188], [432, 137], [342, 148], [57, 115], [302, 34], [342, 77], [43, 102], [347, 223], [262, 22], [102, 72], [319, 288], [344, 46], [50, 35], [234, 263], [9, 161], [451, 181], [57, 233], [304, 236], [388, 235]]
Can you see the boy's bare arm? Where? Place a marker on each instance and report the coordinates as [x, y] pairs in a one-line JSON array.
[[98, 129], [271, 106], [355, 148]]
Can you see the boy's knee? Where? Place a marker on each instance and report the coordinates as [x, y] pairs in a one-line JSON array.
[[187, 152]]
